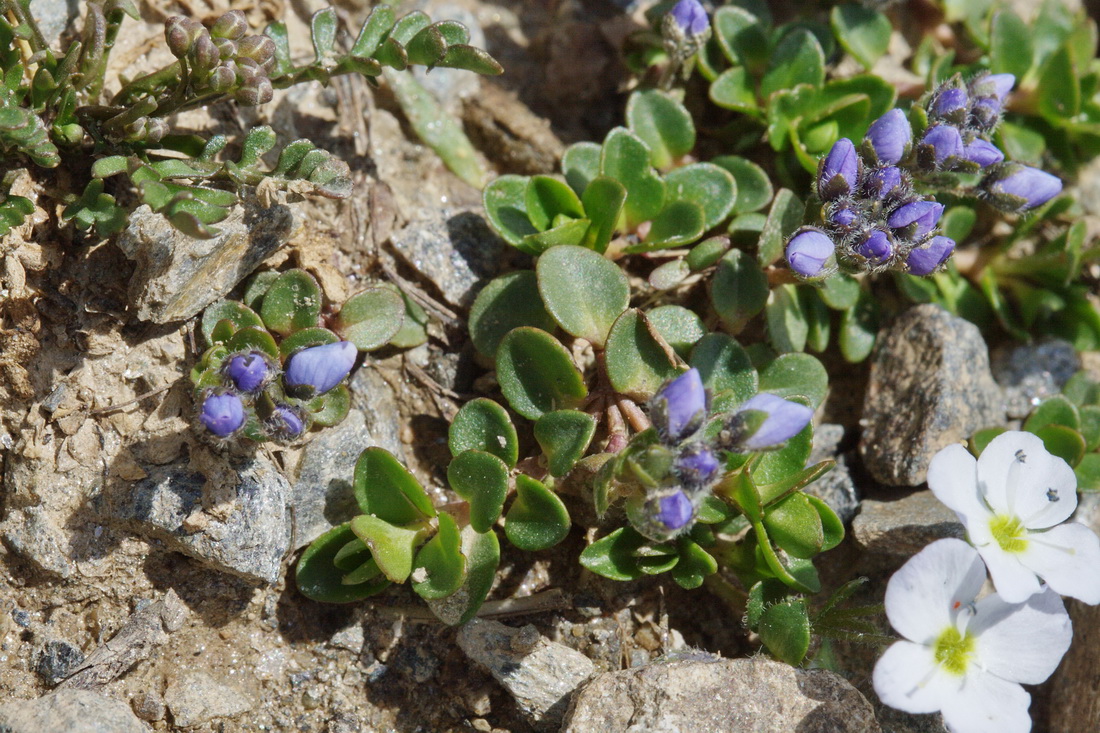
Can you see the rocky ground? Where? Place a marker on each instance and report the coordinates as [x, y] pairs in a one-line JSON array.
[[144, 575]]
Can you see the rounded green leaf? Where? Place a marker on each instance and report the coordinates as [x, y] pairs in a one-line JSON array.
[[669, 275], [787, 324], [582, 291], [784, 217], [1090, 426], [798, 59], [442, 562], [564, 436], [738, 290], [484, 425], [741, 35], [414, 326], [481, 479], [859, 328], [725, 366], [331, 407], [679, 327], [371, 318], [778, 470], [862, 31], [565, 231], [548, 198], [253, 338], [393, 547], [754, 187], [680, 222], [831, 526], [580, 163], [257, 288], [637, 363], [292, 302], [840, 292], [1056, 410], [707, 253], [614, 556], [508, 302], [537, 518], [694, 565], [482, 553], [537, 374], [733, 89], [711, 187], [1064, 442], [318, 577], [603, 200], [982, 438], [785, 630], [386, 489], [795, 526], [240, 315], [663, 123], [1082, 390], [1088, 473], [626, 158], [305, 338], [505, 201], [796, 374]]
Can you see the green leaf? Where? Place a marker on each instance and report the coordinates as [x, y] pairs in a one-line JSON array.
[[1082, 390], [663, 124], [862, 31], [613, 556], [566, 232], [626, 158], [796, 374], [238, 314], [637, 363], [733, 90], [1090, 427], [1055, 410], [484, 425], [292, 302], [1010, 49], [1021, 143], [840, 291], [319, 579], [679, 327], [580, 164], [707, 253], [378, 24], [776, 468], [323, 34], [384, 488], [711, 187], [393, 547], [787, 325], [724, 366], [564, 436], [694, 565], [603, 205], [253, 339], [957, 222], [982, 438], [508, 302], [505, 201], [537, 518], [798, 59], [831, 526], [482, 480], [741, 36], [784, 217], [1088, 473], [582, 291], [754, 187], [679, 223], [305, 338], [818, 318], [537, 374], [427, 47], [331, 407], [1066, 443], [795, 526], [548, 198], [371, 318], [441, 558], [785, 630], [738, 290], [414, 325], [482, 553], [1059, 89], [858, 329]]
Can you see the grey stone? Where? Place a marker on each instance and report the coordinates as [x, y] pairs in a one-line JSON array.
[[176, 276], [930, 386], [32, 535], [901, 527], [56, 659], [195, 698], [71, 711], [250, 543], [375, 398], [539, 674], [148, 706], [836, 488], [1030, 372], [725, 696], [352, 638], [54, 16], [453, 248]]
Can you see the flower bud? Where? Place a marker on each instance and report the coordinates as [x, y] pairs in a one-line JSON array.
[[249, 372], [845, 217], [260, 49], [808, 251], [763, 422], [696, 466], [286, 423], [916, 219], [950, 104], [232, 25], [838, 173], [155, 129], [221, 79], [983, 152], [1022, 187], [660, 514], [255, 92], [985, 113], [690, 17], [679, 407], [222, 414], [227, 49], [204, 54], [883, 181], [944, 141], [996, 86], [675, 510], [876, 247], [320, 368], [889, 136], [924, 260], [180, 33]]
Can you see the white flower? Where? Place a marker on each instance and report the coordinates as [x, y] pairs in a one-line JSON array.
[[961, 657], [1012, 501]]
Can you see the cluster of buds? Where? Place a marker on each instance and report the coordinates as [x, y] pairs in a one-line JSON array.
[[685, 29], [872, 217], [256, 390], [223, 59], [679, 469]]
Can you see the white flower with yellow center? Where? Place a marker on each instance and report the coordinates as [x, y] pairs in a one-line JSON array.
[[962, 657], [1013, 501]]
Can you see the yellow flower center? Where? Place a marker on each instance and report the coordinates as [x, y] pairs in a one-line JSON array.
[[1009, 533], [953, 650]]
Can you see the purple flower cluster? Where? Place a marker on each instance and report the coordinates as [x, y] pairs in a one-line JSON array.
[[873, 219]]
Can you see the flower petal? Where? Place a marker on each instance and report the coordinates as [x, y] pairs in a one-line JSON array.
[[1010, 462], [1022, 642], [907, 677], [1067, 557], [953, 478], [987, 704], [1051, 499], [921, 595], [1014, 582]]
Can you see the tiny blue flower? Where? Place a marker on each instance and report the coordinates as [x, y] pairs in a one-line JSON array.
[[808, 251], [1033, 186], [675, 510], [679, 407], [983, 152], [950, 102], [883, 181], [945, 141], [248, 372], [222, 414], [889, 136], [696, 466], [845, 217], [999, 85], [839, 171], [691, 17], [783, 420], [876, 247], [924, 260], [916, 219], [286, 422], [321, 367]]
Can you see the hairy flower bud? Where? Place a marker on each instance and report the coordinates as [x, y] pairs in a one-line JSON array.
[[286, 423], [838, 173], [227, 49], [696, 466], [1019, 187], [255, 92], [890, 136], [222, 78], [260, 49], [884, 181], [845, 217], [809, 251], [679, 407], [939, 143], [320, 368], [915, 220], [180, 33], [691, 17], [876, 247], [924, 260], [675, 511], [950, 104], [222, 414], [763, 422], [204, 54], [249, 372], [983, 152], [232, 25]]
